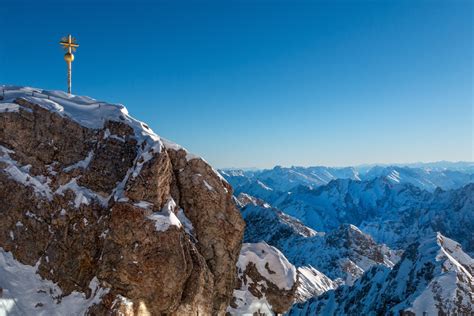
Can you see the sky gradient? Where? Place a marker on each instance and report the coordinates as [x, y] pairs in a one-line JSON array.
[[264, 83]]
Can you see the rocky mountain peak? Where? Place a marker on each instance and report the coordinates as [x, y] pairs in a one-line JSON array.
[[92, 196]]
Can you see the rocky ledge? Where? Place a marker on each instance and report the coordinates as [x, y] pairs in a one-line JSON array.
[[109, 214]]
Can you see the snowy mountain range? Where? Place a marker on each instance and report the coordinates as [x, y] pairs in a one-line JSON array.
[[384, 240], [343, 254], [393, 213], [428, 176]]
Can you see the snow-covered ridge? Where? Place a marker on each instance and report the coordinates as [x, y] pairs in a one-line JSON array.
[[92, 114], [86, 111], [89, 113], [427, 176]]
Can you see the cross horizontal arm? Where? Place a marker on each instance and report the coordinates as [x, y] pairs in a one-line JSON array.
[[69, 44]]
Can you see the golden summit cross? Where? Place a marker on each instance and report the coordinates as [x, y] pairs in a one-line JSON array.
[[69, 44]]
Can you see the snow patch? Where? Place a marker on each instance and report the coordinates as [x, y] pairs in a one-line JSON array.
[[188, 225], [247, 304], [82, 163], [9, 107], [26, 293], [208, 186], [166, 217], [20, 175], [83, 195], [143, 204]]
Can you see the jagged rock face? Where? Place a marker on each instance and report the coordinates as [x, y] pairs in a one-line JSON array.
[[267, 282], [433, 277], [83, 201], [202, 202]]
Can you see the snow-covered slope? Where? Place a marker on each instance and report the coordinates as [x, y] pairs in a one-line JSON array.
[[399, 214], [267, 281], [342, 254], [347, 201], [434, 277], [270, 263], [267, 223], [312, 283], [449, 212], [390, 204], [284, 179]]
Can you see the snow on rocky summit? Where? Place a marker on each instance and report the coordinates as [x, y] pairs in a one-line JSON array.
[[100, 215], [267, 281]]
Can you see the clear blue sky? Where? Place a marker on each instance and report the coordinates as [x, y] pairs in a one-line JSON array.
[[261, 83]]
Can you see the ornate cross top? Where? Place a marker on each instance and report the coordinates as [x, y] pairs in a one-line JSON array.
[[69, 43]]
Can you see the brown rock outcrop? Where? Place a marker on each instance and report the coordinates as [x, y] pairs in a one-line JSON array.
[[155, 226]]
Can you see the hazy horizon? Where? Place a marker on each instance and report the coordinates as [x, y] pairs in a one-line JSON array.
[[365, 165]]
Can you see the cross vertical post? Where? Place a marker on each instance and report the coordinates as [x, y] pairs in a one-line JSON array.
[[69, 77], [69, 44]]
